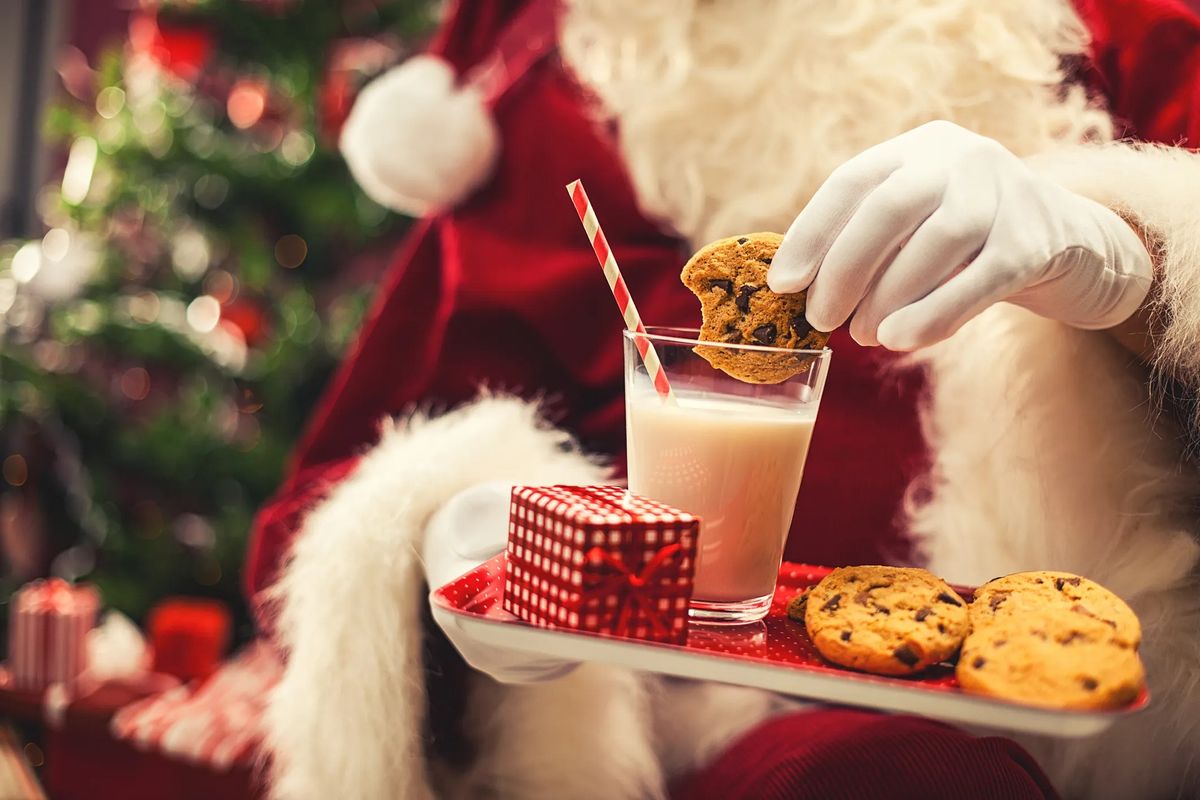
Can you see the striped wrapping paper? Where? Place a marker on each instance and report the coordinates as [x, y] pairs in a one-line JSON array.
[[47, 636], [216, 723]]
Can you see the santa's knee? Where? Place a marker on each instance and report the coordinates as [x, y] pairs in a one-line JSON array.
[[851, 755]]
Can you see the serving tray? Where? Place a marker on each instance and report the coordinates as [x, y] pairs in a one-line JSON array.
[[775, 654]]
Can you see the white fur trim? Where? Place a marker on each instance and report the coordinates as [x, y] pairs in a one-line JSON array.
[[417, 143], [346, 718], [1048, 454], [1159, 187]]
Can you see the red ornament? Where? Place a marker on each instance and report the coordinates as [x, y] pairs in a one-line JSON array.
[[248, 317], [189, 636], [601, 559], [181, 48]]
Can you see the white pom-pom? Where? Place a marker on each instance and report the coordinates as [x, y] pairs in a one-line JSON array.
[[417, 143]]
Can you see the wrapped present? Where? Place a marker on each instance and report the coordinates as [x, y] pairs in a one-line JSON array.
[[47, 634], [188, 636], [600, 559]]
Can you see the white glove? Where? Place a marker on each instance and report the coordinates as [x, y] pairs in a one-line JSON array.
[[468, 530], [886, 238], [417, 143]]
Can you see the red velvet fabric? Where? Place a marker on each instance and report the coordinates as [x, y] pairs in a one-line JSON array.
[[844, 754]]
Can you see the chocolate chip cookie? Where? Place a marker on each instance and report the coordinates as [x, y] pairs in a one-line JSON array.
[[1047, 663], [886, 620], [797, 605], [1052, 639], [1078, 602], [730, 278]]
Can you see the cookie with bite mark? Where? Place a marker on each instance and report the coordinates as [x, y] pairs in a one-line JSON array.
[[729, 276]]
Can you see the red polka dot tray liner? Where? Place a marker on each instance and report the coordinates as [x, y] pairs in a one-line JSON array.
[[774, 654]]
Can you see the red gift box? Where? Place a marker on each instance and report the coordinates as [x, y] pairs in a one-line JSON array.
[[601, 559], [188, 636], [48, 626]]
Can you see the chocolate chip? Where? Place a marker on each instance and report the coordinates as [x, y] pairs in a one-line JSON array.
[[923, 613], [1060, 582], [742, 240], [945, 597], [941, 628], [906, 656], [800, 325], [743, 298], [882, 610], [862, 598], [833, 603], [845, 636], [979, 662], [1091, 684], [765, 260], [723, 284], [853, 579], [765, 334], [997, 600]]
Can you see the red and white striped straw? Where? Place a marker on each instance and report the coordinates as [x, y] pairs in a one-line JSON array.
[[608, 263]]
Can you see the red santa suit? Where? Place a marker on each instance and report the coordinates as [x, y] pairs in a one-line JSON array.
[[1027, 456]]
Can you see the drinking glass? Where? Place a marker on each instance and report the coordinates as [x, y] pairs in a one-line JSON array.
[[731, 453]]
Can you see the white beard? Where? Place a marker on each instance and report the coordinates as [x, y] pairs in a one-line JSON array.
[[731, 114]]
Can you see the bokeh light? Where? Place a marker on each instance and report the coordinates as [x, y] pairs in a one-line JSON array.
[[135, 383], [15, 470], [27, 262], [291, 250], [110, 101], [246, 104], [204, 313]]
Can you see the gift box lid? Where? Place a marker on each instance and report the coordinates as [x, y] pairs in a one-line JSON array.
[[56, 596], [605, 505]]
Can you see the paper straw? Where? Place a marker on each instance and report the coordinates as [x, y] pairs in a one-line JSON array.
[[620, 291]]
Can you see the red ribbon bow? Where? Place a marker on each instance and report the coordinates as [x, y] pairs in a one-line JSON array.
[[54, 596], [631, 587]]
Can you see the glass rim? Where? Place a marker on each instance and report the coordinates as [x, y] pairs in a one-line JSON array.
[[669, 335]]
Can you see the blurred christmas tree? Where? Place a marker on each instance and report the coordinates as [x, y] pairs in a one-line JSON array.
[[163, 343]]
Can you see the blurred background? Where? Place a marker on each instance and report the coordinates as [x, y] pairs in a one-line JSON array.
[[183, 258]]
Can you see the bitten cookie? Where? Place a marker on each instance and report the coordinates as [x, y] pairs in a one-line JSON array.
[[1048, 664], [1079, 603], [730, 278], [886, 620]]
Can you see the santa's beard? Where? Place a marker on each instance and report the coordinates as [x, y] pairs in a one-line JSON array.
[[731, 113]]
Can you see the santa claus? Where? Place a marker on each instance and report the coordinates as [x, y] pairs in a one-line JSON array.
[[1030, 409]]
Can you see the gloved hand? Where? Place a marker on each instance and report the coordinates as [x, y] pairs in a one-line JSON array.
[[468, 530], [886, 238]]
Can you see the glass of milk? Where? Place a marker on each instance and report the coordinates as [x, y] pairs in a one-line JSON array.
[[730, 452]]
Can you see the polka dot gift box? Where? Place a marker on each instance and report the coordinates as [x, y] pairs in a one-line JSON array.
[[600, 559]]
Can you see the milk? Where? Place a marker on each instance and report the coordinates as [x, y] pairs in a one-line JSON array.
[[735, 464]]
